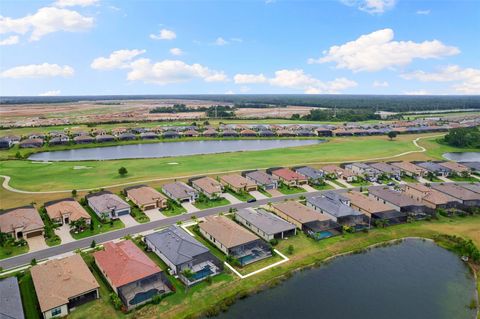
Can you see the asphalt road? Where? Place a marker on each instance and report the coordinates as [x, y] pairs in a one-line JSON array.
[[24, 259]]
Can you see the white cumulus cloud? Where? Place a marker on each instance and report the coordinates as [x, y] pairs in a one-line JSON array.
[[50, 93], [220, 41], [164, 34], [45, 21], [38, 71], [467, 79], [371, 6], [116, 60], [176, 51], [378, 50], [298, 79], [74, 3], [249, 78], [380, 84], [11, 40]]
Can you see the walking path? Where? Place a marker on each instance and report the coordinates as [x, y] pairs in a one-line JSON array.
[[6, 181]]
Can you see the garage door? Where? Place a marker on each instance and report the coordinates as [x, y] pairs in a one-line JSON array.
[[35, 233], [123, 212], [149, 207]]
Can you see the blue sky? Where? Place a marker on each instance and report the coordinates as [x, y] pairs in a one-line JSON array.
[[87, 47]]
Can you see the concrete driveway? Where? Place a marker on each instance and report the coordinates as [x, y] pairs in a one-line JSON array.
[[154, 214], [190, 208], [309, 188], [258, 195], [232, 199], [128, 220], [36, 243], [334, 185], [445, 179], [274, 192], [64, 233], [343, 182]]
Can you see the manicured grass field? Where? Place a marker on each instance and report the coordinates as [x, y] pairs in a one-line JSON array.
[[63, 176], [31, 308], [98, 226], [174, 209], [409, 179], [287, 190], [361, 183], [464, 179], [210, 203], [240, 196], [322, 187], [10, 251], [139, 215], [338, 183]]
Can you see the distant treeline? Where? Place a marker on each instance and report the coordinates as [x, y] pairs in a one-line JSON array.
[[178, 108], [463, 137], [392, 103], [341, 115]]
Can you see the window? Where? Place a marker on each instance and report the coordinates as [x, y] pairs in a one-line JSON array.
[[56, 311]]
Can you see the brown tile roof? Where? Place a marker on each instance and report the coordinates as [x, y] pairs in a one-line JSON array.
[[226, 231], [124, 263], [288, 174], [144, 194], [332, 169], [394, 197], [454, 166], [237, 180], [409, 167], [208, 185], [61, 207], [366, 203], [299, 212], [58, 280], [26, 217], [431, 195], [456, 191]]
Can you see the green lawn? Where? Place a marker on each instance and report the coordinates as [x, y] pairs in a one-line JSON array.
[[464, 179], [31, 308], [287, 190], [74, 175], [409, 179], [173, 209], [361, 182], [12, 250], [337, 183], [139, 215], [264, 192], [210, 203], [240, 196], [98, 226], [323, 187]]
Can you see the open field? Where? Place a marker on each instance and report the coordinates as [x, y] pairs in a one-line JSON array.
[[63, 176], [307, 253]]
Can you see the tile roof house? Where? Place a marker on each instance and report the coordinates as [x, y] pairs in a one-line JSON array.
[[180, 192], [21, 222], [467, 197], [265, 224], [83, 139], [338, 172], [289, 177], [64, 211], [368, 171], [146, 197], [133, 276], [315, 225], [435, 168], [314, 175], [474, 187], [262, 179], [234, 240], [63, 284], [410, 169], [180, 252], [208, 186], [337, 207], [399, 200], [385, 168], [429, 196], [456, 167], [375, 209], [10, 299], [238, 183], [31, 143], [474, 166], [107, 204]]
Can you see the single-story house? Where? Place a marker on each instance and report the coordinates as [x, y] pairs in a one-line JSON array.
[[63, 284], [266, 133], [238, 183], [455, 167], [65, 211], [127, 136], [183, 254], [467, 197], [107, 204], [434, 168], [324, 132], [190, 133], [208, 186], [148, 136], [22, 222], [338, 172], [146, 197], [265, 224], [429, 196], [180, 192], [234, 240], [83, 139], [37, 135], [474, 166], [368, 171], [248, 133], [337, 207], [210, 133], [387, 169], [134, 277], [170, 134], [410, 169], [474, 187], [102, 138], [31, 142], [289, 177], [399, 200], [5, 143], [262, 179], [375, 209], [59, 140], [315, 225], [10, 299], [229, 133], [314, 175]]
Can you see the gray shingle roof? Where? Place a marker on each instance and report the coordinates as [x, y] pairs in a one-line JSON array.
[[261, 178], [106, 201], [10, 300], [310, 172], [433, 167], [176, 244], [334, 204], [265, 221]]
